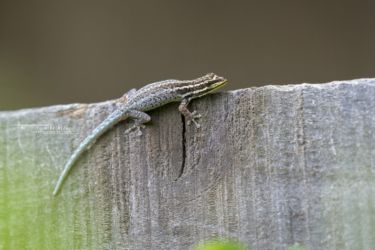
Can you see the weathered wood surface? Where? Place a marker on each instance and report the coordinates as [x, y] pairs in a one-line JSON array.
[[270, 166]]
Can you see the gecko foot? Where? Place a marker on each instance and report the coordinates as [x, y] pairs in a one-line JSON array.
[[136, 127], [192, 118]]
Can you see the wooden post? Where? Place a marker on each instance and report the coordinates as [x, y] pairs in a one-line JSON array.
[[270, 166]]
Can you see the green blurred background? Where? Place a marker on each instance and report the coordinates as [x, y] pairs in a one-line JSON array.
[[54, 52]]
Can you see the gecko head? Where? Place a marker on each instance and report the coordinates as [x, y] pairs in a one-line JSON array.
[[214, 81], [206, 84]]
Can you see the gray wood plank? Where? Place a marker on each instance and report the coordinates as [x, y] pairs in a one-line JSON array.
[[271, 166]]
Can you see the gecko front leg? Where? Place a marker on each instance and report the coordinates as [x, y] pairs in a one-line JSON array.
[[189, 116], [140, 119]]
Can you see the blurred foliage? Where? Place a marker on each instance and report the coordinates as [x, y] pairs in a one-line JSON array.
[[218, 244], [221, 245], [297, 247]]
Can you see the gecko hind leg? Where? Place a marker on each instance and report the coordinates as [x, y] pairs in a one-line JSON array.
[[140, 119]]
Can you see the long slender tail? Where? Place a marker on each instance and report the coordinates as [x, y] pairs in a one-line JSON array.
[[109, 122]]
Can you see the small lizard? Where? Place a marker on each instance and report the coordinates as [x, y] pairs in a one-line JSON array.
[[147, 98]]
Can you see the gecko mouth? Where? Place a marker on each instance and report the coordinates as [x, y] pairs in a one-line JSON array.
[[206, 84], [218, 82]]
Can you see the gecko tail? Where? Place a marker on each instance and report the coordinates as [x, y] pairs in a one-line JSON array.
[[62, 177], [69, 165], [86, 143]]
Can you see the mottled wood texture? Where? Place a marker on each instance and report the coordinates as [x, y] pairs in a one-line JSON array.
[[271, 166]]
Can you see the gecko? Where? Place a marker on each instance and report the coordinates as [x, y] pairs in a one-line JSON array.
[[147, 98]]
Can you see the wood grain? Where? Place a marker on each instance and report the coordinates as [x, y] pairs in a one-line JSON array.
[[270, 166]]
